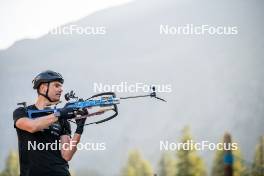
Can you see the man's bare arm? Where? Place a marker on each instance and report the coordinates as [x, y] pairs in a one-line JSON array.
[[69, 145], [70, 148], [37, 124]]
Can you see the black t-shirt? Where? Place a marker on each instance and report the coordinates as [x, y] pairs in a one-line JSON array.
[[36, 156]]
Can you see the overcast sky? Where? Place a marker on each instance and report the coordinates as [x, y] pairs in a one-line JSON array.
[[21, 19]]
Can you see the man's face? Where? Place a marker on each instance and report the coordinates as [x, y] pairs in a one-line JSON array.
[[55, 90]]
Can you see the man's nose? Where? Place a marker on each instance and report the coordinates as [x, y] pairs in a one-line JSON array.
[[61, 89]]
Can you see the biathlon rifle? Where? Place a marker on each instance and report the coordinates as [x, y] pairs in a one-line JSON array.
[[106, 101]]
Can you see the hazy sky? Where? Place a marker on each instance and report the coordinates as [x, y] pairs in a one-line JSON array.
[[30, 18]]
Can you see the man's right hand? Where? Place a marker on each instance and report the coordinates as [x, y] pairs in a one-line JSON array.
[[65, 113]]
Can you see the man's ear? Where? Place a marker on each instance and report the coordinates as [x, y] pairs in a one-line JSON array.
[[43, 88]]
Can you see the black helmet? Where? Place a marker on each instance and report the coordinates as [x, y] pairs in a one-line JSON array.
[[46, 77]]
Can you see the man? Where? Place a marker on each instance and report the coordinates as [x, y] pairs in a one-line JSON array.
[[45, 130]]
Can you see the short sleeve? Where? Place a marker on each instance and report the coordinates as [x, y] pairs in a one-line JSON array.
[[66, 127], [19, 113]]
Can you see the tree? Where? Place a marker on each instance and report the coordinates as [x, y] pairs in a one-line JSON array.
[[12, 165], [240, 168], [258, 164], [167, 165], [218, 164], [239, 165], [188, 162], [137, 166]]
